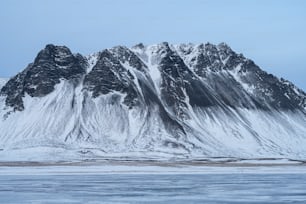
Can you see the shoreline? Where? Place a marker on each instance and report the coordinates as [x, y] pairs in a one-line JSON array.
[[263, 162]]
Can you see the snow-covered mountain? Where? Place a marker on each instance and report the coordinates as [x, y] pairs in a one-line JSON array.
[[159, 100]]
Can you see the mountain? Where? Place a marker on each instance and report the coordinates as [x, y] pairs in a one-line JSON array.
[[158, 101]]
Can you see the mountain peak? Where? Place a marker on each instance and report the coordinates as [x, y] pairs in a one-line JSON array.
[[52, 64], [58, 54], [224, 46], [138, 46]]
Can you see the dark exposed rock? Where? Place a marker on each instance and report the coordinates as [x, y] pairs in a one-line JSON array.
[[124, 55], [172, 87], [271, 91], [108, 75], [39, 79], [224, 51]]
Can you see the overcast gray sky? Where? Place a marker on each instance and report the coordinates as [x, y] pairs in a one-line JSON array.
[[271, 32]]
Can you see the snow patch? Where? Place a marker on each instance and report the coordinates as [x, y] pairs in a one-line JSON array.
[[236, 75], [2, 82], [92, 61]]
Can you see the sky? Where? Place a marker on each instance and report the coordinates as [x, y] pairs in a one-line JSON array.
[[270, 32]]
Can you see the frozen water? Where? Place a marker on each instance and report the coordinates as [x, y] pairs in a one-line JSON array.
[[117, 187]]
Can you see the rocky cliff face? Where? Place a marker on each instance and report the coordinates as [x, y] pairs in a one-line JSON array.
[[50, 66], [185, 99]]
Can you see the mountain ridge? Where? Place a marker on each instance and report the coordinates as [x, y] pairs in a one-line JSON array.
[[181, 100]]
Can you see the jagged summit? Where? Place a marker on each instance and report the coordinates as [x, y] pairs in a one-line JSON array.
[[52, 64], [184, 99], [198, 62]]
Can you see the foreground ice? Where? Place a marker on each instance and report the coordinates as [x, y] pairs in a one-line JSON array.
[[152, 184], [147, 168]]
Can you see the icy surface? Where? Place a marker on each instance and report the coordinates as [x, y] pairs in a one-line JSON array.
[[179, 185]]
